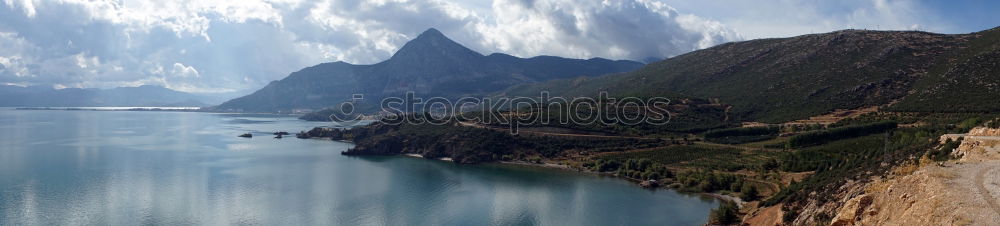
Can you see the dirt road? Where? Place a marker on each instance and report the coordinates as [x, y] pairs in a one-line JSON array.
[[981, 186]]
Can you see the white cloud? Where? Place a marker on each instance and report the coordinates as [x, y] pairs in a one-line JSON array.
[[214, 46], [27, 6], [184, 71], [243, 45], [612, 29], [634, 29]]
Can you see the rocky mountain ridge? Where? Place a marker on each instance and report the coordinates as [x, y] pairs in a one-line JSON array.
[[431, 65]]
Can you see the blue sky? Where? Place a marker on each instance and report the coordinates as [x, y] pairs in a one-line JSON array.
[[966, 16], [240, 46]]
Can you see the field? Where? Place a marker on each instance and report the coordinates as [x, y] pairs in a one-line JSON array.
[[699, 157]]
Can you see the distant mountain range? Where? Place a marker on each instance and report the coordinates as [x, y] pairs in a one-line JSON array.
[[783, 79], [429, 65], [142, 96]]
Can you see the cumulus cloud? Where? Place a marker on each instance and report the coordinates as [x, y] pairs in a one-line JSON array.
[[222, 46], [184, 71], [216, 46], [70, 43], [613, 29]]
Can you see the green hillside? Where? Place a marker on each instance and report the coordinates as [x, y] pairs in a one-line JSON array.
[[776, 80]]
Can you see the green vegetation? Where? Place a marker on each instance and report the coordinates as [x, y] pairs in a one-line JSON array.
[[726, 214], [742, 135], [966, 83], [856, 149], [698, 156], [829, 135], [472, 145], [749, 193], [705, 168], [780, 80], [994, 124], [738, 132], [944, 152], [943, 84], [850, 159], [692, 116], [708, 181], [642, 169]]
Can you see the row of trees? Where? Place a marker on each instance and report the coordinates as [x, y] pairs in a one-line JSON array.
[[840, 133], [642, 169], [742, 135], [692, 181], [738, 132]]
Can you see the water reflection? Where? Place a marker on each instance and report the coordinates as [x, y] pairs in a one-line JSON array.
[[170, 168]]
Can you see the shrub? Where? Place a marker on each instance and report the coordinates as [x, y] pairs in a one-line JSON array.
[[994, 124], [749, 193], [944, 152], [726, 214]]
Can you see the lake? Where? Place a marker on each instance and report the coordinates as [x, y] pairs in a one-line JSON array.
[[178, 168]]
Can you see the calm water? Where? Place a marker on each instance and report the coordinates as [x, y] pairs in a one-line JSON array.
[[169, 168]]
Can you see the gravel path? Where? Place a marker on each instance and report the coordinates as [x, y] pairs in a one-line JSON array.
[[982, 187]]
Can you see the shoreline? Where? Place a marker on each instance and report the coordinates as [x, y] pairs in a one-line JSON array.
[[446, 159], [720, 197], [543, 165]]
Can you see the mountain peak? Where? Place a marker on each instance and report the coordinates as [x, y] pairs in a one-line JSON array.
[[433, 43], [432, 32]]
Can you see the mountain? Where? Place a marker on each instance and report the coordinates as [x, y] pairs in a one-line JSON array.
[[784, 79], [142, 96], [431, 65]]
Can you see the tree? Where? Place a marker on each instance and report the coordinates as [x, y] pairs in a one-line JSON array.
[[749, 193], [726, 214]]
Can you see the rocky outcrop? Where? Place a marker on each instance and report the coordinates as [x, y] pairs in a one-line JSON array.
[[321, 132], [932, 195], [959, 192], [980, 144], [649, 184], [461, 144], [984, 131]]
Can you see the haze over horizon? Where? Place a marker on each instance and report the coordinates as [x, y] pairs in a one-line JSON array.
[[226, 47]]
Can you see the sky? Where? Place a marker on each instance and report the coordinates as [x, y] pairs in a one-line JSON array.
[[240, 46]]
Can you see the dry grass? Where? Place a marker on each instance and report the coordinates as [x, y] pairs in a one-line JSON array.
[[943, 174], [906, 169], [877, 186]]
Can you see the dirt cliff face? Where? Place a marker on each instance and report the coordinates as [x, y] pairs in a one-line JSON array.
[[964, 191], [958, 192], [932, 195], [980, 144]]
